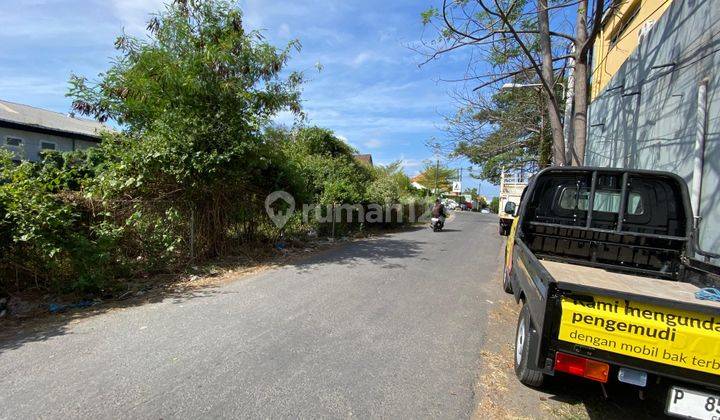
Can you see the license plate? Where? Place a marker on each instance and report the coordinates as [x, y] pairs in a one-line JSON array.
[[683, 402]]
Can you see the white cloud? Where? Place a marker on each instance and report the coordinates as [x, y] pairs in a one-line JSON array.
[[285, 118], [371, 56], [348, 142], [51, 21], [373, 144], [134, 14], [411, 166], [361, 58], [284, 31], [32, 85]]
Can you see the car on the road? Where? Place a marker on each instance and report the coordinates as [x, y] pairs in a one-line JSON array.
[[450, 204], [603, 261], [485, 211]]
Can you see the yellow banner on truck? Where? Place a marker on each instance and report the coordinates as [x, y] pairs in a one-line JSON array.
[[664, 335]]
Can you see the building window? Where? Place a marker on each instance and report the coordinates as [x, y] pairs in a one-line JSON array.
[[13, 141], [48, 145], [625, 21]]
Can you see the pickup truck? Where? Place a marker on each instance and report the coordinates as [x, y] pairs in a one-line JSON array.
[[602, 261]]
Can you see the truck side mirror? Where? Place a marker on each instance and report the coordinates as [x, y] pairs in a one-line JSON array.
[[510, 208]]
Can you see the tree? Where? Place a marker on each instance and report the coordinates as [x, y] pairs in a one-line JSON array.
[[320, 141], [481, 202], [494, 205], [522, 44], [389, 185], [324, 165], [503, 131], [192, 98], [472, 192], [434, 174], [583, 44]]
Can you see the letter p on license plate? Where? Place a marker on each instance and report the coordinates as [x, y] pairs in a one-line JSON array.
[[683, 402]]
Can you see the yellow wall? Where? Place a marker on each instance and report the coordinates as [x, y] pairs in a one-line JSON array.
[[607, 59]]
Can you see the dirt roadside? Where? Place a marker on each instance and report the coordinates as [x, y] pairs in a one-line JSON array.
[[500, 395]]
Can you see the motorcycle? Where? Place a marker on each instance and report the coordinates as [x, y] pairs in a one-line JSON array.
[[437, 223]]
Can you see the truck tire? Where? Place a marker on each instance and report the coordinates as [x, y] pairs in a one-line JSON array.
[[523, 337]]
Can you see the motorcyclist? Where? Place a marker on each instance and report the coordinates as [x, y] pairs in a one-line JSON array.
[[438, 211]]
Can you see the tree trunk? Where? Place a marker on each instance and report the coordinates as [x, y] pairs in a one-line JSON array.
[[581, 86], [558, 143], [568, 117]]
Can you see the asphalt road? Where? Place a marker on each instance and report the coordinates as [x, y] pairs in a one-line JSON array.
[[387, 327]]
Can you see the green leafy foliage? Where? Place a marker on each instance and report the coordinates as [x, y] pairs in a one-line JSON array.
[[428, 15], [494, 205], [185, 178], [496, 127], [507, 131], [433, 174], [390, 185], [44, 234], [193, 98]]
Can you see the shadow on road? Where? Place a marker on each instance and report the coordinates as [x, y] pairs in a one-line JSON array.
[[622, 402], [14, 335], [385, 250]]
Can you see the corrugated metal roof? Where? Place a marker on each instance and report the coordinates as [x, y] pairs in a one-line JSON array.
[[42, 118]]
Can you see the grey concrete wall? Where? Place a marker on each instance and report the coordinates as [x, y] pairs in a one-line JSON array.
[[646, 116], [31, 143]]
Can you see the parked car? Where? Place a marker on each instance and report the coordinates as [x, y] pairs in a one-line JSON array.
[[485, 211], [450, 204]]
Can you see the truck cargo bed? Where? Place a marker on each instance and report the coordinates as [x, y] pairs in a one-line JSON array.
[[597, 280]]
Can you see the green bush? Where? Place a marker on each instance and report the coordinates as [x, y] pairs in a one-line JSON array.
[[186, 177]]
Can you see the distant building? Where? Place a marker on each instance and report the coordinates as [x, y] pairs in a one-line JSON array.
[[27, 131], [619, 36], [366, 159], [415, 182]]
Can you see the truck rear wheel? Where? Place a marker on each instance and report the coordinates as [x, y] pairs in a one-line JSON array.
[[523, 338]]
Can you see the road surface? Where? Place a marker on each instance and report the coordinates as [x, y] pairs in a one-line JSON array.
[[386, 327]]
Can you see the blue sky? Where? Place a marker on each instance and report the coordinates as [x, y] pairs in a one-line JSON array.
[[370, 91]]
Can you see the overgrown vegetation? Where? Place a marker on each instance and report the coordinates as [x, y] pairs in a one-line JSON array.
[[185, 178]]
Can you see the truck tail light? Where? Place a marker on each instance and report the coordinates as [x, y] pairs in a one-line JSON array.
[[580, 366]]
